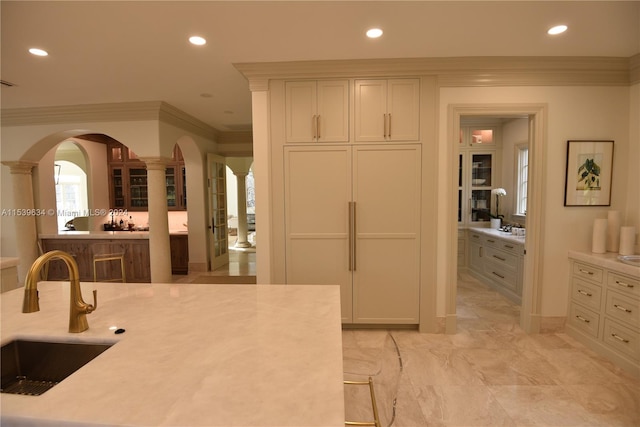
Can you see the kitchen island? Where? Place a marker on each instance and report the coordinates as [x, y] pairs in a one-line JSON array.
[[191, 355]]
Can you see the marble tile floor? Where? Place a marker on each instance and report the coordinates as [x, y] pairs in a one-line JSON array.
[[488, 374], [241, 263]]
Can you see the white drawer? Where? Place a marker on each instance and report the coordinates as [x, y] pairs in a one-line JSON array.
[[584, 319], [587, 294], [621, 338], [624, 284], [513, 248], [504, 276], [587, 271], [623, 307], [505, 259]]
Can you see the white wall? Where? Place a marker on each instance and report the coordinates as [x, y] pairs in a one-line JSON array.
[[574, 113]]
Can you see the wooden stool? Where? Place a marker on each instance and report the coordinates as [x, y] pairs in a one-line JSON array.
[[107, 258]]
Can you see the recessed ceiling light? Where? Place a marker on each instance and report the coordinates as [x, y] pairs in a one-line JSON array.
[[558, 29], [197, 40], [38, 52], [374, 33]]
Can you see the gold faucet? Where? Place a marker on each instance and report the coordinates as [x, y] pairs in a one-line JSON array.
[[78, 309]]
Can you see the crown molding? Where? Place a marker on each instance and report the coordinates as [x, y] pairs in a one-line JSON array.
[[634, 69], [457, 71], [113, 112]]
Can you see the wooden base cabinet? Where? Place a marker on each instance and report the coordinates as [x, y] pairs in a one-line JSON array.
[[604, 312], [352, 218]]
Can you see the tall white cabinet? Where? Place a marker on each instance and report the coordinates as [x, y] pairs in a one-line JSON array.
[[352, 217]]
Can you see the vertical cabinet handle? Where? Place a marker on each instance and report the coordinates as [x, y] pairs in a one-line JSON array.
[[384, 125], [318, 127], [352, 236], [355, 245], [389, 128], [314, 125]]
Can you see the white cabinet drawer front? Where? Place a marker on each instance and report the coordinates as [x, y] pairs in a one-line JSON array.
[[623, 308], [505, 259], [512, 248], [621, 338], [584, 319], [505, 277], [623, 284], [587, 271], [491, 241], [586, 293]]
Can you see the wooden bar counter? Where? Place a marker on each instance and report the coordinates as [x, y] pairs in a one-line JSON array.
[[83, 245]]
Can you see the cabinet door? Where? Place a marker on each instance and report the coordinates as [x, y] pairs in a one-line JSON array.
[[370, 110], [333, 111], [138, 197], [482, 172], [386, 192], [117, 188], [403, 110], [300, 111], [317, 196]]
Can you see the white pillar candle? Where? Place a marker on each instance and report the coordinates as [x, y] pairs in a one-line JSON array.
[[613, 231], [627, 240], [599, 241]]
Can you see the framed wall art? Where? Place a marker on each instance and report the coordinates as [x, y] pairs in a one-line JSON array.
[[588, 173]]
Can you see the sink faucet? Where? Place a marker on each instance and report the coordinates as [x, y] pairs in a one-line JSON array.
[[78, 309]]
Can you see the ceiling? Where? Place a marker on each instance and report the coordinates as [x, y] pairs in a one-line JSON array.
[[128, 51]]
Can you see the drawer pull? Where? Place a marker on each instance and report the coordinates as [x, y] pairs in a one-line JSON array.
[[508, 246], [580, 291], [491, 241], [475, 236], [586, 272], [583, 319], [501, 259], [619, 338], [500, 276], [626, 285], [621, 308]]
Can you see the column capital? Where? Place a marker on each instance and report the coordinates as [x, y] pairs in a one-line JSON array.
[[20, 167], [155, 163]]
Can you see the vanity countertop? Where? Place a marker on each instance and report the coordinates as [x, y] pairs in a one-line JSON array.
[[196, 355], [607, 260]]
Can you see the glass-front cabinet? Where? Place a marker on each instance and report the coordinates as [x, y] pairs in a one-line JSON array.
[[128, 180], [476, 178]]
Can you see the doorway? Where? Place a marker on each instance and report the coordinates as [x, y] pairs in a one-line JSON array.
[[535, 114]]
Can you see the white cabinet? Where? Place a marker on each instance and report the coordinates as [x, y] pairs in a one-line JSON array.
[[497, 261], [317, 111], [352, 218], [604, 310], [476, 177], [387, 110]]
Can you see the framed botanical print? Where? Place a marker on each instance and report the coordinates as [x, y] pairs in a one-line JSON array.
[[588, 173]]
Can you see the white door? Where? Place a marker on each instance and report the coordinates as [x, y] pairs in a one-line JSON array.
[[370, 110], [333, 111], [387, 197], [403, 108], [217, 187], [317, 201], [301, 106]]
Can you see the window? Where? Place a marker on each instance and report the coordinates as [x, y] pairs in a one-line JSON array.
[[522, 173]]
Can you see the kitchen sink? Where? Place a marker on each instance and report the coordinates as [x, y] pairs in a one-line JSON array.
[[33, 367]]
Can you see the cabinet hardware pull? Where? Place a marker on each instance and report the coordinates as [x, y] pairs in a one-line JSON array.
[[355, 240], [583, 319], [501, 259], [318, 126], [619, 338], [314, 124], [586, 272], [619, 307], [384, 122], [350, 236], [491, 241], [500, 276], [626, 285], [580, 291], [508, 246], [475, 236], [389, 125]]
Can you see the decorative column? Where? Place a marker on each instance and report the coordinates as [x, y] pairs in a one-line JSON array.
[[25, 225], [243, 241], [159, 246]]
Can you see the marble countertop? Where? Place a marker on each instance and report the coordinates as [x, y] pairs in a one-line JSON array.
[[501, 234], [608, 260], [196, 355], [127, 235]]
